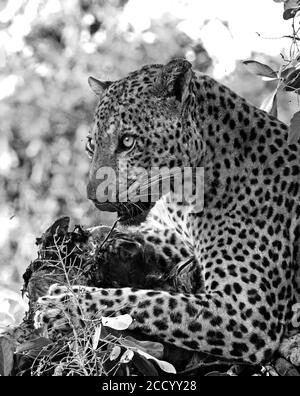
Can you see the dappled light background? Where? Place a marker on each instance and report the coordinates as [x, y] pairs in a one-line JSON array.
[[48, 48]]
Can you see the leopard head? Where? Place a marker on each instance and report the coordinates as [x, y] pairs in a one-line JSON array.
[[142, 123]]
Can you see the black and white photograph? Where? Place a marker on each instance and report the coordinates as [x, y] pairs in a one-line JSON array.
[[149, 191]]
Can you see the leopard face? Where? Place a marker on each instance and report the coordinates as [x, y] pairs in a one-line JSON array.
[[142, 123]]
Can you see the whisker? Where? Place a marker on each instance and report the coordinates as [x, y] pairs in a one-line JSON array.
[[157, 179]]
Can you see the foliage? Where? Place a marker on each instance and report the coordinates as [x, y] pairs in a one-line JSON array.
[[288, 75], [101, 346], [12, 308]]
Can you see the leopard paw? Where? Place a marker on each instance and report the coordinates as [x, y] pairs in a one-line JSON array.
[[59, 312], [66, 307]]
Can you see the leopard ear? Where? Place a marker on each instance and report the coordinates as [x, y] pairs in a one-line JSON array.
[[174, 79], [97, 86]]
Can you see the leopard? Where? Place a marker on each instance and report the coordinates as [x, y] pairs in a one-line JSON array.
[[244, 239]]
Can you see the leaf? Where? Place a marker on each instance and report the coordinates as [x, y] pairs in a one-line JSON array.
[[270, 104], [293, 81], [121, 322], [285, 368], [165, 366], [59, 371], [143, 347], [296, 307], [260, 69], [96, 337], [267, 79], [144, 366], [34, 347], [291, 8], [7, 349], [274, 108], [152, 348], [115, 353], [271, 372], [6, 320], [12, 308], [295, 357], [127, 356], [217, 374], [287, 72], [294, 133], [289, 346]]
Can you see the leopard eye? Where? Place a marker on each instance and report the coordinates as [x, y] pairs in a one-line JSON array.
[[90, 146], [128, 142]]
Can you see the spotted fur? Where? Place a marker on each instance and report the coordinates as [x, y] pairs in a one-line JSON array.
[[245, 240]]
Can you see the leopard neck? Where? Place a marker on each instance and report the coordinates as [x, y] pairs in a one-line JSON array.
[[237, 136]]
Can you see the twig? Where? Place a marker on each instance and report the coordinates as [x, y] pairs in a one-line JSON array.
[[109, 234]]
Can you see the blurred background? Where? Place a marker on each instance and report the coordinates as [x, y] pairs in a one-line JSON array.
[[48, 48]]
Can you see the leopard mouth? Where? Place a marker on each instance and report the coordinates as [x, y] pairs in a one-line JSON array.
[[128, 213]]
